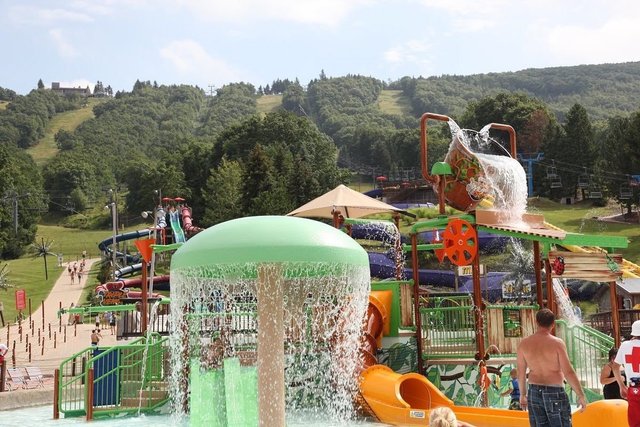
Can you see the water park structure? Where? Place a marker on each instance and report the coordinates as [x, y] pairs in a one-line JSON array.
[[275, 316]]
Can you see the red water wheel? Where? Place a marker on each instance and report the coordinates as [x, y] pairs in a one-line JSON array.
[[460, 242]]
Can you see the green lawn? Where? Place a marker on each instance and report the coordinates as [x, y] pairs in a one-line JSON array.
[[28, 272], [394, 102], [583, 218], [269, 103], [69, 120]]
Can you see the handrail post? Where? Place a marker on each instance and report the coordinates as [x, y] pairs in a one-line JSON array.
[[512, 136], [423, 142], [56, 394], [89, 394], [416, 299], [615, 316]]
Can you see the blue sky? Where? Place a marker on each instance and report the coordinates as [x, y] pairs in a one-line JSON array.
[[214, 42]]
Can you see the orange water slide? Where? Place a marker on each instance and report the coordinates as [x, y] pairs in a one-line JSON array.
[[377, 325], [408, 399]]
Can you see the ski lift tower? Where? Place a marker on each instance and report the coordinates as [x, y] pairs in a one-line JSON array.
[[530, 161]]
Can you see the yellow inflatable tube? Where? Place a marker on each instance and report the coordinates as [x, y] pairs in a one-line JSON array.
[[408, 399]]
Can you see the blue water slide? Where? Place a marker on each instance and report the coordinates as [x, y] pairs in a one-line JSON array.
[[178, 233], [128, 270], [489, 243], [105, 245], [382, 266]]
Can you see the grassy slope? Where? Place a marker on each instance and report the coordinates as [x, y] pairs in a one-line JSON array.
[[393, 102], [389, 101], [69, 120], [28, 272], [269, 103]]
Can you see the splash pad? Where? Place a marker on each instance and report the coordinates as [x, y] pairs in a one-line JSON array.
[[273, 304]]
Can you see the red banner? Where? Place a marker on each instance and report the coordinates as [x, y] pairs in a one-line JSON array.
[[21, 299]]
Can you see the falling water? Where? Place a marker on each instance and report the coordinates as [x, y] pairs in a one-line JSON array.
[[504, 179], [564, 303], [389, 236], [213, 319]]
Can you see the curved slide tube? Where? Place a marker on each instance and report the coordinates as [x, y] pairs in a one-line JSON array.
[[187, 222], [376, 325], [408, 399], [380, 231], [127, 270], [159, 282], [105, 245], [383, 267]]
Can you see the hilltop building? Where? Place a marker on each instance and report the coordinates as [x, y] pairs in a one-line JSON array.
[[55, 86]]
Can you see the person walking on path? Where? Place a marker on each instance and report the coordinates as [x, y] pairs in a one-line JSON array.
[[95, 337], [545, 358], [629, 356]]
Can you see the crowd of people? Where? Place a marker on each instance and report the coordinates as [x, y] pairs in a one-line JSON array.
[[76, 271]]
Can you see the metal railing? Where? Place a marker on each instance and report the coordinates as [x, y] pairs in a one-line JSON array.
[[114, 380], [588, 351], [603, 321], [448, 332]]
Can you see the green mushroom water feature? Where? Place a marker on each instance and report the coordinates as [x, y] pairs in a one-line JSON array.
[[267, 314]]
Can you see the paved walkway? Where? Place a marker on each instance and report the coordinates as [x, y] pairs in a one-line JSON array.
[[78, 337]]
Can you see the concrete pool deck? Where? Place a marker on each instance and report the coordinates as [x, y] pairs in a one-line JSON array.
[[48, 359]]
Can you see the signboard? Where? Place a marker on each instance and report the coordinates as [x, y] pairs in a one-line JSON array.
[[113, 297], [511, 290], [21, 299], [467, 270]]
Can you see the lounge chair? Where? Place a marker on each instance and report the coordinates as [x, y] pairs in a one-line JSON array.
[[35, 374], [18, 379]]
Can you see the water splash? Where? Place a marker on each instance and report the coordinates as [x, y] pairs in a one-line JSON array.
[[567, 309], [504, 181], [213, 317]]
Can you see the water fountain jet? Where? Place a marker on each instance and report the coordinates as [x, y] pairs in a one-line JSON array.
[[278, 295]]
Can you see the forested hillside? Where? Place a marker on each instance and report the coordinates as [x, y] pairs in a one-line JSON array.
[[604, 90], [247, 151]]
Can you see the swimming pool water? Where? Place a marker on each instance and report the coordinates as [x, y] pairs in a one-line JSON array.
[[42, 416]]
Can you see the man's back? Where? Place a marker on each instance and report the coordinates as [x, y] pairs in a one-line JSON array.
[[541, 352]]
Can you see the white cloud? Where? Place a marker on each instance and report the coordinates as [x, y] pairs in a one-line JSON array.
[[613, 38], [468, 16], [467, 7], [63, 46], [412, 52], [190, 59], [323, 12], [44, 16]]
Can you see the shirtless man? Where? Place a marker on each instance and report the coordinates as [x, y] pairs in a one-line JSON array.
[[545, 357]]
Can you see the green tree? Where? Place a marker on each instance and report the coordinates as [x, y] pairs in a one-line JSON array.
[[223, 193], [620, 155], [40, 84]]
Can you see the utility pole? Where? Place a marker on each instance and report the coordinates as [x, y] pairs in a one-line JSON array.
[[114, 249], [211, 87], [14, 197]]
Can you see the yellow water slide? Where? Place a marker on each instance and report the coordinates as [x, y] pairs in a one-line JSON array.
[[408, 399], [629, 269]]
